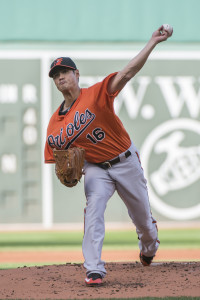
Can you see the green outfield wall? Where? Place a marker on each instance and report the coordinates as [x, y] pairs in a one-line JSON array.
[[160, 107], [94, 20]]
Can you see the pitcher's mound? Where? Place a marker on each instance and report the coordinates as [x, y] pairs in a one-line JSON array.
[[123, 280]]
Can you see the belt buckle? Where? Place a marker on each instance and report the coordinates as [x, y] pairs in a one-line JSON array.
[[107, 164]]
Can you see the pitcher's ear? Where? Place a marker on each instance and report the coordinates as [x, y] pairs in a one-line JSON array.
[[77, 74]]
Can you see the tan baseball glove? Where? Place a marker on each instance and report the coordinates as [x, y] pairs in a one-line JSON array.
[[69, 165]]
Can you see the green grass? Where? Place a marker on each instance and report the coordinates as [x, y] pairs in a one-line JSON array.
[[40, 240], [170, 238], [27, 265], [63, 240]]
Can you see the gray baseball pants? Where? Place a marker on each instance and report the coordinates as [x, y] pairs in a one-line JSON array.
[[127, 178]]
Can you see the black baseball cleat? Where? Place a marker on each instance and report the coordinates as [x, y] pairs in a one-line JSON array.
[[94, 279], [146, 260]]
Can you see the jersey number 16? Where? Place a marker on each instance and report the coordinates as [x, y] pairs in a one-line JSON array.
[[97, 135]]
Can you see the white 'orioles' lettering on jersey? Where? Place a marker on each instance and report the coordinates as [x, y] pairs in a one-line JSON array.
[[58, 140], [75, 129], [79, 120]]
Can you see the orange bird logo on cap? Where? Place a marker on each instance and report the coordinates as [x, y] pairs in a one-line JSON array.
[[58, 61]]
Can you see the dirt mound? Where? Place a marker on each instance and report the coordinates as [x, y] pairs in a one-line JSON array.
[[123, 280]]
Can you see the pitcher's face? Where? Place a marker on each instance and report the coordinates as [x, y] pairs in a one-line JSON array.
[[66, 79]]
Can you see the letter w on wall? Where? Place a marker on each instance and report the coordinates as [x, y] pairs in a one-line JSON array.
[[184, 93], [131, 99]]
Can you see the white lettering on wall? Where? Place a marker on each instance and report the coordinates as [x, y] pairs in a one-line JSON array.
[[133, 99], [8, 163], [29, 93], [177, 92], [8, 93], [186, 94], [86, 81]]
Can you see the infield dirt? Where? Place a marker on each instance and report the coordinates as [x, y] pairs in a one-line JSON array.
[[123, 280]]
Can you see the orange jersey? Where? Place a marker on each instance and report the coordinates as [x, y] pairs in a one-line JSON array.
[[91, 123]]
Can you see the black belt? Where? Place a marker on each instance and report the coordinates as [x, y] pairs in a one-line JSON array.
[[108, 164]]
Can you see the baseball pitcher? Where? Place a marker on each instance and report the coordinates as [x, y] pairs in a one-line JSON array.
[[85, 135]]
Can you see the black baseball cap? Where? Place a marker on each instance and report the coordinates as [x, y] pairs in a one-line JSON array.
[[61, 62]]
